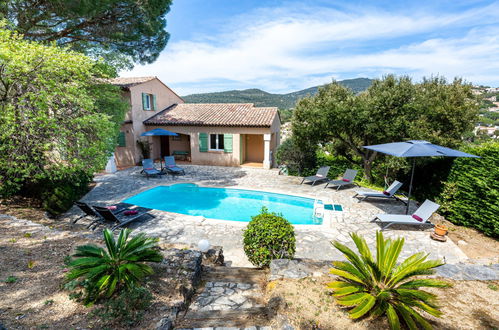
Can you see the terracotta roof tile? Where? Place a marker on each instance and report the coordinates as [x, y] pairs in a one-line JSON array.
[[214, 114], [129, 81]]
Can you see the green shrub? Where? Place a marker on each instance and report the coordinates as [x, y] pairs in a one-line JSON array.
[[122, 265], [379, 286], [297, 158], [337, 165], [125, 309], [268, 236], [471, 193], [57, 196]]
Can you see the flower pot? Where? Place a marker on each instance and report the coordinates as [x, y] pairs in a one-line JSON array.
[[441, 230]]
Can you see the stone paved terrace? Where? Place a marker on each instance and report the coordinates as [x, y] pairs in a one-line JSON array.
[[313, 241]]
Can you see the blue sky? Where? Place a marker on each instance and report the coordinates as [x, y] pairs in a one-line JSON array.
[[283, 46]]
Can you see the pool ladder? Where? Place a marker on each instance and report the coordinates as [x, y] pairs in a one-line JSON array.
[[318, 208]]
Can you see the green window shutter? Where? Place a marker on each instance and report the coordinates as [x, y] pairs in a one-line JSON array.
[[154, 106], [144, 95], [122, 139], [227, 142], [203, 142]]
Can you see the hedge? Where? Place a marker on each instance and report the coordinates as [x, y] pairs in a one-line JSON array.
[[471, 192]]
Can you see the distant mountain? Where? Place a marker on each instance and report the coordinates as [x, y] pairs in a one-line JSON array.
[[264, 99]]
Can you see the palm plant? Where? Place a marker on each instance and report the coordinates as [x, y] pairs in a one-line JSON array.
[[121, 265], [381, 286]]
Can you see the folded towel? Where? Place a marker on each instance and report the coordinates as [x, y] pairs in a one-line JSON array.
[[130, 212], [112, 207], [386, 193], [417, 217], [149, 168], [345, 180], [320, 175]]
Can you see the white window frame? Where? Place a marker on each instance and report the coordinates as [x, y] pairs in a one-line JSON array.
[[148, 105], [217, 143]]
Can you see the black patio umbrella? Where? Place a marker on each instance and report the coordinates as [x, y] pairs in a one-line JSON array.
[[416, 148]]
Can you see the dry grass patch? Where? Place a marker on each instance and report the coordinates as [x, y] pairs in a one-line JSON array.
[[309, 305], [32, 276]]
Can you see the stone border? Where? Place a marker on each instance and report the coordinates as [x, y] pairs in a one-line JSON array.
[[301, 268]]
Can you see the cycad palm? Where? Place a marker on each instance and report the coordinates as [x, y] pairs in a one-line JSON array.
[[381, 286], [122, 264]]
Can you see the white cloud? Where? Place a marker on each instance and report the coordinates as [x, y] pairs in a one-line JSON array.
[[282, 51]]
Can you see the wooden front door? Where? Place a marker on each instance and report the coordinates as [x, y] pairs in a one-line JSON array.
[[165, 146], [254, 148]]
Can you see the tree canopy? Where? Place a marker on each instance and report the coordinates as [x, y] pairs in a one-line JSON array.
[[118, 30], [57, 118], [391, 109]]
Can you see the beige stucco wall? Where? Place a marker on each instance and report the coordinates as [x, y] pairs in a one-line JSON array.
[[125, 155], [165, 97], [183, 144], [175, 145], [211, 157]]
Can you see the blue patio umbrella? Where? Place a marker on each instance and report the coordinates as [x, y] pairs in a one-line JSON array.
[[158, 132], [416, 148]]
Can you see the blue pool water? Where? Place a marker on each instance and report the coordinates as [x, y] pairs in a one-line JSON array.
[[225, 203]]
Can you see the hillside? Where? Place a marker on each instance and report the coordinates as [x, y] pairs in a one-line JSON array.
[[263, 99]]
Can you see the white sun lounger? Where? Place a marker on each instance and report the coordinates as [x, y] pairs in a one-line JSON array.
[[423, 213], [347, 179], [388, 193]]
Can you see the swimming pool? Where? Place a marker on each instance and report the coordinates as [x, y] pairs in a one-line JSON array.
[[225, 203]]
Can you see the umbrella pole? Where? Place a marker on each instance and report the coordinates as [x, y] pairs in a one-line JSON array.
[[410, 186]]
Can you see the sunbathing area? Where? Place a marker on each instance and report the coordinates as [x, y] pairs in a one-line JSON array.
[[313, 241], [279, 166]]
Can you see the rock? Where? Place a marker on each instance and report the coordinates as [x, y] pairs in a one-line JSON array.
[[448, 270], [297, 268], [462, 243], [479, 272], [214, 256], [469, 272], [164, 324], [244, 286]]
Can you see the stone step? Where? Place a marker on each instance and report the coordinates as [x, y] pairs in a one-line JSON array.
[[225, 318], [234, 274]]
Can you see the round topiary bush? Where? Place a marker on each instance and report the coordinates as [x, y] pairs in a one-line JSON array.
[[268, 236]]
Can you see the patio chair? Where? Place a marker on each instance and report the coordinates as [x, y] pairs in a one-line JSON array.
[[420, 216], [321, 175], [388, 193], [87, 210], [115, 209], [346, 180], [171, 167], [148, 168], [121, 219]]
